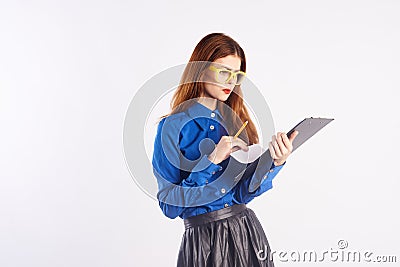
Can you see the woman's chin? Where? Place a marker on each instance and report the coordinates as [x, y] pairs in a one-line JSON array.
[[223, 98]]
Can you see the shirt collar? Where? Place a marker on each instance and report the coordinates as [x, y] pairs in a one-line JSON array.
[[197, 111]]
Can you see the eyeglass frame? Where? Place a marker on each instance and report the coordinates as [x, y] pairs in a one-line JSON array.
[[232, 73]]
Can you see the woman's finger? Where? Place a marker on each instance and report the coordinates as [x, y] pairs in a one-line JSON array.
[[240, 143], [246, 147], [282, 146], [293, 136], [272, 150], [231, 143], [235, 148], [285, 140], [276, 147]]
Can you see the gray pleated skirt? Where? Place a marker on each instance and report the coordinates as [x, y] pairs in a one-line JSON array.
[[229, 237]]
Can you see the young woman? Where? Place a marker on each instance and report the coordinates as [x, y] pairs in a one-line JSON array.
[[192, 149]]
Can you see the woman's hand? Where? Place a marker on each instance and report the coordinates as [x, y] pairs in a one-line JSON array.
[[280, 147], [225, 147]]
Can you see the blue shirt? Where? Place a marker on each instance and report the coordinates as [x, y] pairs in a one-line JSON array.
[[187, 179]]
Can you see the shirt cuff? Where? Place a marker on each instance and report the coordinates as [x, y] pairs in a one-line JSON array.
[[273, 165], [273, 170], [260, 178]]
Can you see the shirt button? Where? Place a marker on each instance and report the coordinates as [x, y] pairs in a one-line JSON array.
[[212, 127], [213, 172], [265, 177], [212, 114], [223, 190], [271, 170], [220, 168], [226, 205], [206, 181]]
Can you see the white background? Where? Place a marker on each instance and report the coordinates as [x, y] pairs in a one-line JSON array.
[[69, 69]]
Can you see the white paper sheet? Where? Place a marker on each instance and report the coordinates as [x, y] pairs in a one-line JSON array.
[[255, 151]]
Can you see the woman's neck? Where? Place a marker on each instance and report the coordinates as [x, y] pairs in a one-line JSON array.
[[210, 103]]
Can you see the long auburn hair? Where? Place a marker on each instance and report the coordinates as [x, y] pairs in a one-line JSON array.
[[210, 48]]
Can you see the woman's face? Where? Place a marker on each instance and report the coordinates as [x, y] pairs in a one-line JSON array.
[[216, 89]]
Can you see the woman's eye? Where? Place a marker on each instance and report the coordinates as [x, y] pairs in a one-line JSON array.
[[225, 72]]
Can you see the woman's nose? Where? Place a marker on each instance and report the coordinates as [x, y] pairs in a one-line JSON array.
[[231, 81]]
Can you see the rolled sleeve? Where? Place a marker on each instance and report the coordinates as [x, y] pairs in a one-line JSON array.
[[242, 192]]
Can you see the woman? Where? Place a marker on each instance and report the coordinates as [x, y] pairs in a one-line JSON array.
[[192, 150]]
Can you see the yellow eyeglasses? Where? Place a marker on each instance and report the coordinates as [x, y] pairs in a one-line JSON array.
[[223, 75]]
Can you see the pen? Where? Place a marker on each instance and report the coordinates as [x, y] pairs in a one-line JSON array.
[[241, 129]]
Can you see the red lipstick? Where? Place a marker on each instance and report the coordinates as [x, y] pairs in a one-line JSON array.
[[226, 91]]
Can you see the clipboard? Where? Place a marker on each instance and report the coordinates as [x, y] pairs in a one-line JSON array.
[[259, 167], [307, 128]]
